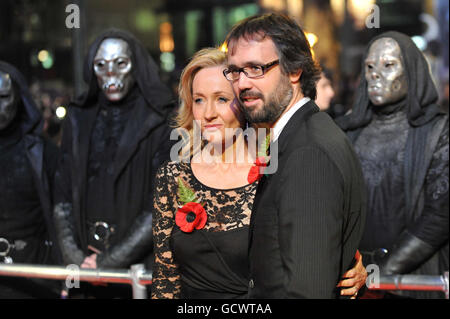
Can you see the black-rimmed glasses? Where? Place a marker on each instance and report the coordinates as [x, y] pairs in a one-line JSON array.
[[250, 71]]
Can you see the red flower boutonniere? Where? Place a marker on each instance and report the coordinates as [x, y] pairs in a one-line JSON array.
[[257, 170], [192, 215]]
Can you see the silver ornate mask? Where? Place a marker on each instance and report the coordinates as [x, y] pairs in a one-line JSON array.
[[384, 71], [8, 105], [112, 66]]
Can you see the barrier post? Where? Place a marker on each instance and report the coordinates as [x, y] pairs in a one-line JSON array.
[[139, 291], [446, 284]]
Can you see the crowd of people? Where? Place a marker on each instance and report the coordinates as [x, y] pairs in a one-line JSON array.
[[298, 216]]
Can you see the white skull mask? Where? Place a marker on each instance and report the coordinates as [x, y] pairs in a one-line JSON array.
[[385, 73], [113, 68]]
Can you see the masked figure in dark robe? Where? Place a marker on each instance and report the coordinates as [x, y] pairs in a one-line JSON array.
[[401, 137], [114, 139], [27, 163]]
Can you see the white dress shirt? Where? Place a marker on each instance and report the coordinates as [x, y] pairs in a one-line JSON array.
[[284, 119]]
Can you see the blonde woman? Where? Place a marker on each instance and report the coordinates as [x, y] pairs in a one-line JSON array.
[[203, 206]]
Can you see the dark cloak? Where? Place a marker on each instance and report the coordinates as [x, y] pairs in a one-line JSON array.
[[425, 167], [41, 153], [42, 156], [143, 146]]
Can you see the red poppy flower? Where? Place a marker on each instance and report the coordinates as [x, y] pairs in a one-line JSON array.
[[191, 215], [257, 170]]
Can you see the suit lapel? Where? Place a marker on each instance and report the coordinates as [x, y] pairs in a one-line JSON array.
[[284, 141], [293, 125]]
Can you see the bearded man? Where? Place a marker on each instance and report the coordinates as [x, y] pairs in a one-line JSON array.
[[307, 217]]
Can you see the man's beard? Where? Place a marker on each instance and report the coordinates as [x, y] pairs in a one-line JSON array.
[[273, 108]]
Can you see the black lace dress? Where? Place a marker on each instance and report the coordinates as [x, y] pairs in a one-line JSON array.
[[206, 263]]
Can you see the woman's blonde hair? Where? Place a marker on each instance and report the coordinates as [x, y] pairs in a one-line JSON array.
[[205, 58]]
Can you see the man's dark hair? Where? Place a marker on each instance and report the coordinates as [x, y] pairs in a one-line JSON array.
[[290, 42]]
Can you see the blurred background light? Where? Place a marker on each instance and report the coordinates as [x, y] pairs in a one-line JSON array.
[[277, 5], [43, 55], [420, 42], [360, 10], [312, 38], [61, 112], [48, 63], [46, 59], [224, 47], [338, 7], [295, 8], [167, 61], [145, 20], [166, 43]]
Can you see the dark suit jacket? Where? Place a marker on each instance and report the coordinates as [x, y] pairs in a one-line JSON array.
[[308, 217]]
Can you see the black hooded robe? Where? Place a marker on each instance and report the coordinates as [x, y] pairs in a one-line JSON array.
[[27, 165], [407, 173], [141, 146]]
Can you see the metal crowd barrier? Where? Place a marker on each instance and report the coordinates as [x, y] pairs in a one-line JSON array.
[[138, 277], [412, 282]]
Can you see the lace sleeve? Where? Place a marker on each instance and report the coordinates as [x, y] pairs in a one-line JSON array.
[[166, 279]]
